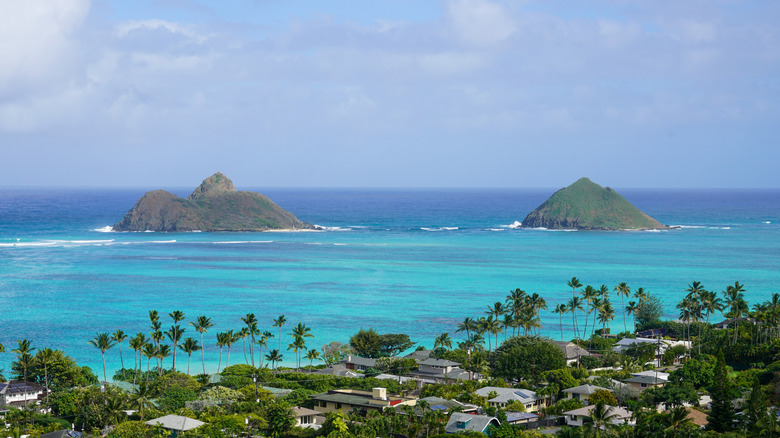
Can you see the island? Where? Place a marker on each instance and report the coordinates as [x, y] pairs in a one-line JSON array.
[[585, 205], [215, 205]]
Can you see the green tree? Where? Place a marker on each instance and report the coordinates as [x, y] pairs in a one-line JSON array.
[[119, 337], [648, 311], [189, 346], [280, 418], [279, 322], [526, 357], [312, 355], [603, 396], [366, 343], [721, 417], [102, 342], [202, 325]]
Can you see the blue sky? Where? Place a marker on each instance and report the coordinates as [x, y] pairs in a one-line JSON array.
[[390, 93]]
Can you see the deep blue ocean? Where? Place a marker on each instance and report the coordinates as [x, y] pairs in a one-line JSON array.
[[408, 261]]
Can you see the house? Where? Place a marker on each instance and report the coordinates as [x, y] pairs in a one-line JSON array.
[[347, 400], [338, 370], [419, 355], [460, 422], [576, 417], [18, 393], [440, 404], [439, 370], [64, 433], [358, 363], [729, 323], [176, 423], [583, 392], [306, 418], [653, 373], [520, 417], [698, 417], [572, 351], [623, 344], [529, 399], [643, 382]]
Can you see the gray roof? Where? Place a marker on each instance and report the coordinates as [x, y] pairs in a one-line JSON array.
[[570, 349], [514, 417], [505, 395], [364, 361], [476, 423], [419, 355], [303, 412], [645, 379], [621, 413], [439, 362], [585, 389], [64, 433], [338, 370], [176, 422]]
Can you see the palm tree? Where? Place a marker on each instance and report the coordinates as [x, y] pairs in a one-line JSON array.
[[574, 304], [273, 356], [102, 342], [641, 294], [602, 416], [175, 336], [142, 396], [588, 295], [711, 303], [622, 290], [163, 351], [735, 301], [45, 356], [536, 303], [606, 314], [119, 337], [297, 346], [137, 343], [230, 339], [631, 310], [149, 351], [443, 341], [312, 355], [560, 309], [24, 354], [468, 325], [279, 322], [222, 338], [189, 346], [202, 325], [496, 310], [251, 325], [574, 283], [678, 419]]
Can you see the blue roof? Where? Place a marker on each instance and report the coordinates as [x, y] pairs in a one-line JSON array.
[[438, 408]]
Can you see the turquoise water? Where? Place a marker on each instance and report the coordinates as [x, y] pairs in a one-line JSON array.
[[413, 261]]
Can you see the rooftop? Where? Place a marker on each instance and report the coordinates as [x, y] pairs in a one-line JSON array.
[[176, 422], [585, 389]]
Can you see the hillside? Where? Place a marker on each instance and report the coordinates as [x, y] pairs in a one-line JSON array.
[[215, 205], [586, 205]]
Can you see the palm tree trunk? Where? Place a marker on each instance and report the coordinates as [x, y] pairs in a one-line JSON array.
[[120, 356], [189, 359], [203, 353], [220, 360]]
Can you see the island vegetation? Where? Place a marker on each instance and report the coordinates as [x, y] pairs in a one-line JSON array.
[[585, 205], [723, 374], [215, 205]]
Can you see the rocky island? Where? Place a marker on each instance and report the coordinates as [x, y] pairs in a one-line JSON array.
[[215, 205], [585, 205]]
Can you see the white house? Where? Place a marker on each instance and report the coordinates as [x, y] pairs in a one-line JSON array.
[[583, 392], [20, 392], [577, 417], [529, 399]]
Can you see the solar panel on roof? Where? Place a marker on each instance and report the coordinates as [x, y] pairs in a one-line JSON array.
[[438, 408], [521, 394]]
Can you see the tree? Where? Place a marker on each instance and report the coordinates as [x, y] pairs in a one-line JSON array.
[[142, 397], [280, 418], [443, 341], [623, 291], [602, 396], [392, 344], [273, 356], [649, 310], [756, 408], [602, 417], [312, 355], [721, 417], [102, 342], [119, 337], [45, 357], [202, 325], [279, 322], [560, 309], [149, 351], [526, 357], [189, 346]]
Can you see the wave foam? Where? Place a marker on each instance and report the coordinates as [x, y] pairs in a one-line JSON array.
[[439, 229], [238, 242], [515, 224], [106, 229]]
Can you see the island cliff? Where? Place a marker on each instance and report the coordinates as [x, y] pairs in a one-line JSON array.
[[585, 205], [215, 205]]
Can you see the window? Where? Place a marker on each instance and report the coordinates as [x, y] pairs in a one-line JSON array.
[[306, 419], [338, 405]]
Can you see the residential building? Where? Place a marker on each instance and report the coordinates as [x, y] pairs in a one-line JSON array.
[[572, 351], [358, 363], [643, 382], [347, 400], [176, 424], [306, 418], [576, 417], [529, 399], [583, 392], [460, 422], [18, 393], [440, 404]]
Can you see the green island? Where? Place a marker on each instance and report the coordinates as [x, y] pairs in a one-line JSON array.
[[585, 205], [215, 205], [697, 376]]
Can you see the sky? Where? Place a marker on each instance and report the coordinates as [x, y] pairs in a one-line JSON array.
[[390, 93]]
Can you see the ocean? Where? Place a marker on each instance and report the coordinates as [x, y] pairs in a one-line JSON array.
[[399, 261]]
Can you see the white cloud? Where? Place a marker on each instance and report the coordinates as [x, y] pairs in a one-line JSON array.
[[480, 22]]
